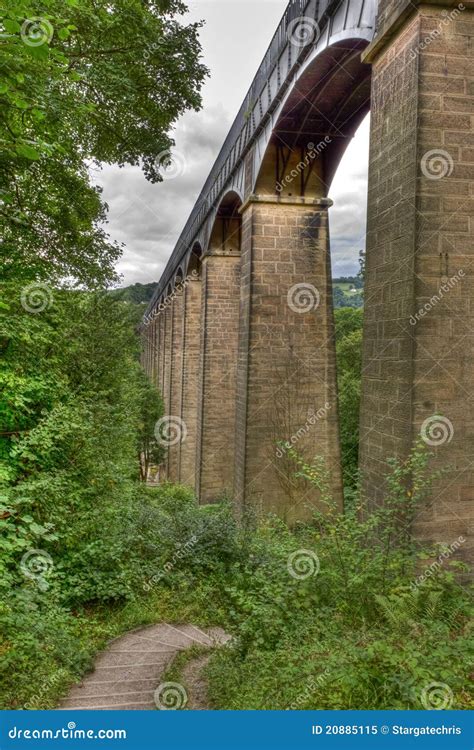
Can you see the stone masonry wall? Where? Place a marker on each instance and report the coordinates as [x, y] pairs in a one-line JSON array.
[[286, 372], [191, 358], [176, 385], [418, 347], [167, 369], [219, 334]]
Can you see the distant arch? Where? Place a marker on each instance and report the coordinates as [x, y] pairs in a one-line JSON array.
[[179, 277], [225, 235], [195, 261]]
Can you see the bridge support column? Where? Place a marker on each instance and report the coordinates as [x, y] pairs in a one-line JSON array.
[[176, 382], [218, 370], [419, 317], [156, 350], [189, 404], [167, 370], [286, 395]]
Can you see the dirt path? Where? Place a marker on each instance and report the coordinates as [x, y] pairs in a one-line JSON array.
[[128, 675]]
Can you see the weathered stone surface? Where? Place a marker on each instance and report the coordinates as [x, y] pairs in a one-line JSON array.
[[419, 230], [418, 342], [191, 360], [218, 373], [286, 369]]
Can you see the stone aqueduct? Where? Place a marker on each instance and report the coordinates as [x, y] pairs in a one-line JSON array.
[[239, 336]]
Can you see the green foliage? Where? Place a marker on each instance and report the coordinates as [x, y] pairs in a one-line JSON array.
[[351, 632], [354, 632], [150, 451], [83, 82], [72, 400], [137, 294], [349, 364]]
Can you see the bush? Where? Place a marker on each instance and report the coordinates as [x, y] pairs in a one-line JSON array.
[[331, 617]]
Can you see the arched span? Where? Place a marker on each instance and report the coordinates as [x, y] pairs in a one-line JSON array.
[[288, 76], [320, 115], [194, 261], [225, 234], [179, 278]]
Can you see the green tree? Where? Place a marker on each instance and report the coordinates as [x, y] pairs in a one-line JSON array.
[[349, 364], [83, 82], [150, 451]]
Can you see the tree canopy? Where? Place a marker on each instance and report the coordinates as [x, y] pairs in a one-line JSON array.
[[84, 82]]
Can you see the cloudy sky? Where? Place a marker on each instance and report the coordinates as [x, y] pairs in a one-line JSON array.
[[149, 218]]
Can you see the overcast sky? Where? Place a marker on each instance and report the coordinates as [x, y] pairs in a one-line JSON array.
[[149, 218]]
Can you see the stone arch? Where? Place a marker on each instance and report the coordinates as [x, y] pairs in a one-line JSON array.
[[194, 262], [225, 236], [315, 123], [179, 280]]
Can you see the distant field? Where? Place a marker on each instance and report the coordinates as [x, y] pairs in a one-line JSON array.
[[347, 288], [347, 293]]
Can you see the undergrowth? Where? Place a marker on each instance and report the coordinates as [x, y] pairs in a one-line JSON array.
[[328, 615]]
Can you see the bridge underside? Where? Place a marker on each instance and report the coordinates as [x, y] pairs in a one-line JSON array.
[[240, 338]]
